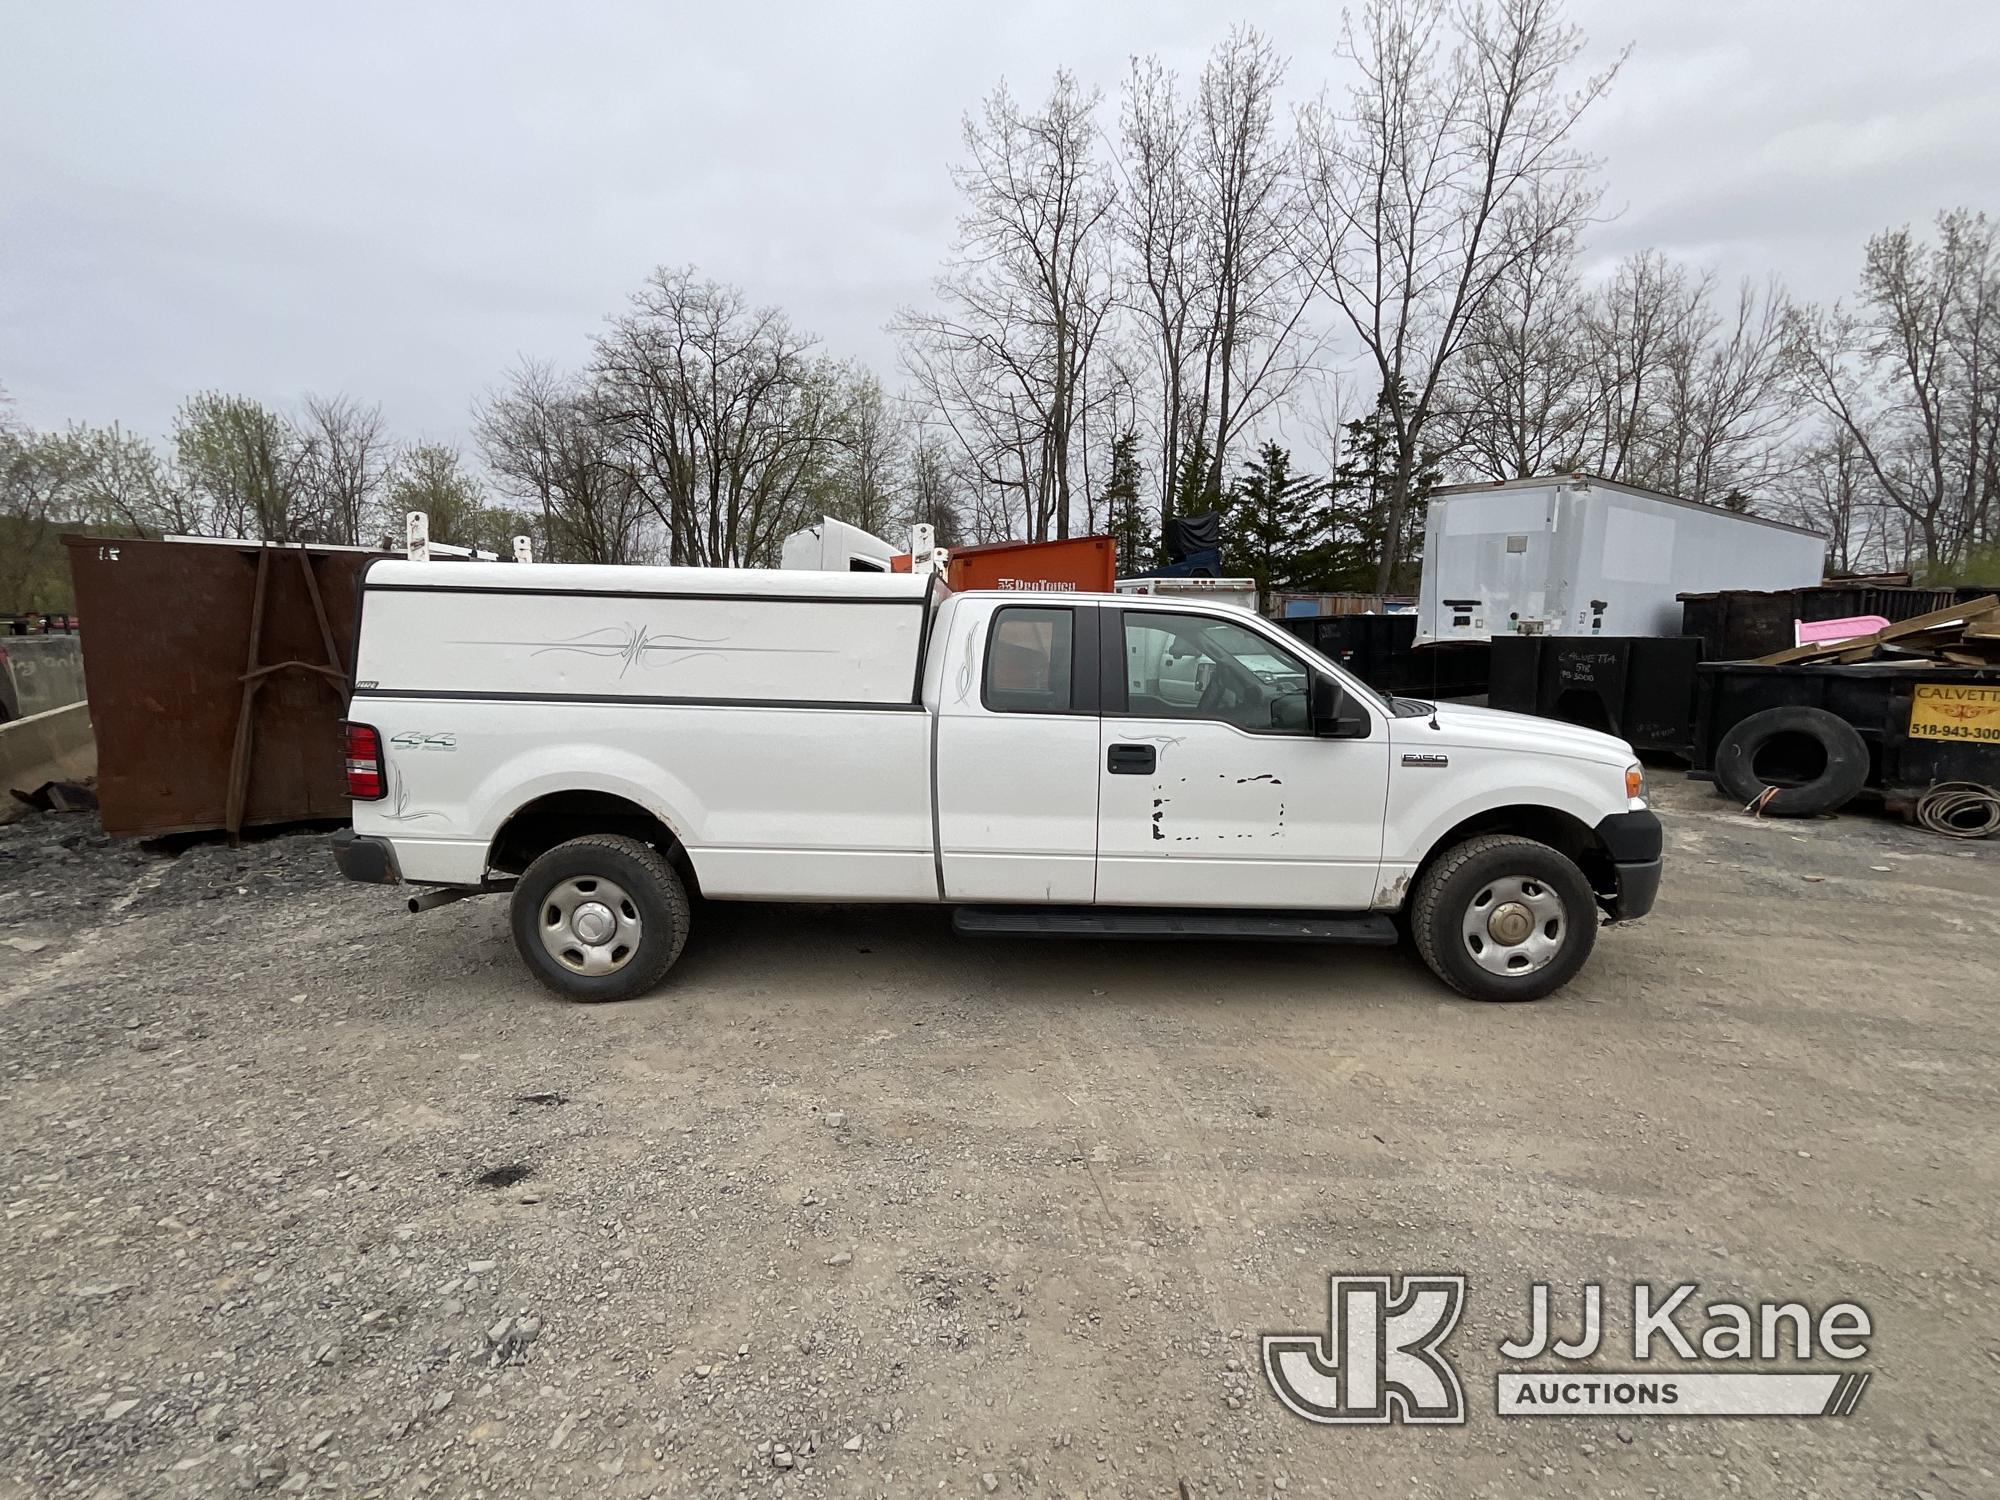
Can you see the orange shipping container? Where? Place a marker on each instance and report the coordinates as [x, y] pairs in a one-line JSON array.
[[1078, 564]]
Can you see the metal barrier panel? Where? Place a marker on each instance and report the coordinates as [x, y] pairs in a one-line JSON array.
[[217, 674]]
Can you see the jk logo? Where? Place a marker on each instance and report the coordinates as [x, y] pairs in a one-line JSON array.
[[1378, 1361]]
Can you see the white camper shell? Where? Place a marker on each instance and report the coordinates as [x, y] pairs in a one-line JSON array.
[[604, 742], [1576, 555]]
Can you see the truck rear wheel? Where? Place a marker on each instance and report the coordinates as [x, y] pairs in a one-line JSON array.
[[1504, 918], [600, 918]]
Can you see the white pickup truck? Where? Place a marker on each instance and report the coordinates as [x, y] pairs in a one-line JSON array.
[[608, 742]]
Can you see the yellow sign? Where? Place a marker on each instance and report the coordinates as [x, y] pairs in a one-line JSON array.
[[1955, 711]]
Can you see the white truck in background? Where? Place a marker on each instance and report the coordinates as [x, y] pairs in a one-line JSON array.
[[1241, 592], [829, 545], [1574, 555], [606, 742]]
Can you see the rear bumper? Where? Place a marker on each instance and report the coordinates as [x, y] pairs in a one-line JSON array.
[[1634, 841], [363, 857]]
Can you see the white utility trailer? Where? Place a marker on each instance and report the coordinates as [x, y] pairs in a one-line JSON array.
[[1574, 555], [836, 547]]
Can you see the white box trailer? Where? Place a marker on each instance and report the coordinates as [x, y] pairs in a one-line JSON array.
[[1576, 555]]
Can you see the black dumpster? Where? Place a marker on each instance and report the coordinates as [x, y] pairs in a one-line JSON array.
[[1736, 624], [1915, 738], [1640, 688], [1382, 651]]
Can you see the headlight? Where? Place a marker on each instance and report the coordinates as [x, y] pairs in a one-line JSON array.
[[1635, 782]]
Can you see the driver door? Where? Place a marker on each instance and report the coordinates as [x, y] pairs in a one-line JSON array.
[[1213, 790]]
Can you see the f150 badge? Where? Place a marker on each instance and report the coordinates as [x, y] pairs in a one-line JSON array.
[[410, 739], [1427, 760]]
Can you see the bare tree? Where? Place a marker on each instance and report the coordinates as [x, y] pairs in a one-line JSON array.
[[1643, 380], [349, 458], [1158, 221], [1826, 488], [545, 441], [1461, 113], [1005, 359], [932, 488], [868, 467], [720, 414], [1210, 226], [1634, 329], [1911, 376], [1252, 245], [1728, 400], [1515, 403]]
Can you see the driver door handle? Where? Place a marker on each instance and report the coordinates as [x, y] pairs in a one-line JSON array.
[[1132, 760]]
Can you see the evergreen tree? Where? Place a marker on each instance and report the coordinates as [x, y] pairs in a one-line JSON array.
[[1361, 492], [1195, 493], [1125, 518], [1278, 528]]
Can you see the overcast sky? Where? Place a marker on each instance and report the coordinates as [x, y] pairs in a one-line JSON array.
[[399, 200]]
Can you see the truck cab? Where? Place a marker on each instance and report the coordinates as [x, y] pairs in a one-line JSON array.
[[1072, 763]]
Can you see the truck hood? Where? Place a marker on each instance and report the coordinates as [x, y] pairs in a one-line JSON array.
[[1463, 726]]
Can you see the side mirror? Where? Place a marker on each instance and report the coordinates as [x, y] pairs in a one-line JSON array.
[[1289, 711], [1333, 717]]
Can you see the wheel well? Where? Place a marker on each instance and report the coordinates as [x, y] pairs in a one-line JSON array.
[[539, 826], [1545, 825]]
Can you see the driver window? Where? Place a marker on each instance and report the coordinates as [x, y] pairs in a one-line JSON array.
[[1194, 667]]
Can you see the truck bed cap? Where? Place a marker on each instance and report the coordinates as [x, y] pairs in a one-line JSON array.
[[589, 578]]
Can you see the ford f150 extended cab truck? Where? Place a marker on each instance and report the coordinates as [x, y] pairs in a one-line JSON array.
[[607, 742]]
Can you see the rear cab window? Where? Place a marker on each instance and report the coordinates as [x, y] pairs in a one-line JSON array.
[[1030, 661]]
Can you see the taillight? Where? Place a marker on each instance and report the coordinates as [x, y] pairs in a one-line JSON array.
[[364, 761]]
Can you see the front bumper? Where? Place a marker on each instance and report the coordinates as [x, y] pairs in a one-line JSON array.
[[1634, 841], [366, 858]]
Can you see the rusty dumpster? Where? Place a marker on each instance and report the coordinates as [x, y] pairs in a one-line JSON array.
[[216, 673]]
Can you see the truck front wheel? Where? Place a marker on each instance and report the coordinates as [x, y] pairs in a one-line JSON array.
[[600, 918], [1503, 918]]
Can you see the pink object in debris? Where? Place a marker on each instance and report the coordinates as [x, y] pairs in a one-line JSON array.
[[1811, 632]]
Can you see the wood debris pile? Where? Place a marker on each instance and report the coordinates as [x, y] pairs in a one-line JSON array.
[[1964, 635]]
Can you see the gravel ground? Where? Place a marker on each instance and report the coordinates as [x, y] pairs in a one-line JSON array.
[[305, 1194]]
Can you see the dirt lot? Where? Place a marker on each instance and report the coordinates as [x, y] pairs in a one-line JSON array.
[[851, 1207]]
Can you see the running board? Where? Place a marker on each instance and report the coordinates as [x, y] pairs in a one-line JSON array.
[[1147, 922]]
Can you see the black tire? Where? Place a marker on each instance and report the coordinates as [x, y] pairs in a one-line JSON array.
[[1810, 761], [655, 893], [1446, 895]]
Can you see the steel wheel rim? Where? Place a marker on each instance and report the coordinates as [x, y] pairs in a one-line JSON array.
[[1514, 925], [589, 925]]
